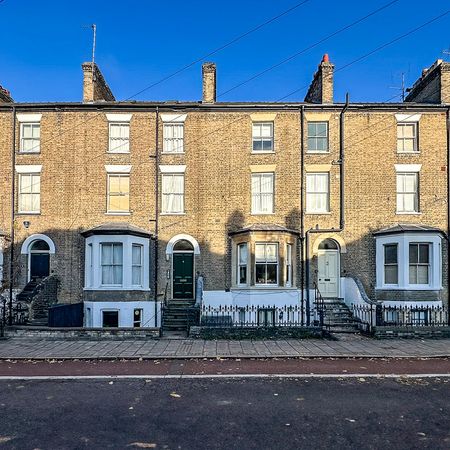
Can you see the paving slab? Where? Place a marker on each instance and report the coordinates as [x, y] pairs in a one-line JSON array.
[[346, 346]]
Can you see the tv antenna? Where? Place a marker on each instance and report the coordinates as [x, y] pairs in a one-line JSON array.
[[401, 88], [94, 36]]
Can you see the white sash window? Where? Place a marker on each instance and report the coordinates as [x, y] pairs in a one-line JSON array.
[[173, 193], [263, 193], [317, 192], [173, 138]]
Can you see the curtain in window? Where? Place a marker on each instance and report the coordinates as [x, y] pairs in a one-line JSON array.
[[407, 192], [31, 134], [112, 264], [317, 192], [136, 265], [29, 192], [119, 137], [173, 137], [262, 193], [173, 193]]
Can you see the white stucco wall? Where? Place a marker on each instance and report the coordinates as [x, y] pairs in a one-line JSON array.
[[126, 309]]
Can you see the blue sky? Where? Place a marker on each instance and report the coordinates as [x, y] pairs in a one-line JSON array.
[[43, 44]]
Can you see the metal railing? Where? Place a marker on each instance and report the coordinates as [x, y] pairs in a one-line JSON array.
[[19, 315], [401, 316], [319, 305], [253, 316]]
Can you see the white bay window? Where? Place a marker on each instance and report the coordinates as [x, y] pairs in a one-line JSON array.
[[409, 260], [117, 262]]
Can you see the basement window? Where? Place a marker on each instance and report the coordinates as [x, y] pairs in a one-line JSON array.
[[110, 319]]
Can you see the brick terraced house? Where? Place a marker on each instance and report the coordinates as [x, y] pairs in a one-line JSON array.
[[121, 205]]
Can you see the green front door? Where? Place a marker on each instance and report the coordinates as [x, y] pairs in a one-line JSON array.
[[183, 275]]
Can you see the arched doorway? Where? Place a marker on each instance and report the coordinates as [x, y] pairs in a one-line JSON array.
[[39, 259], [183, 270], [38, 248], [328, 268]]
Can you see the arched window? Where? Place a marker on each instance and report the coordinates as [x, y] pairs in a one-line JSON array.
[[328, 244], [183, 245]]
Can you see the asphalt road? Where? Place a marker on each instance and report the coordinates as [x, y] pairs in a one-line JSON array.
[[226, 414]]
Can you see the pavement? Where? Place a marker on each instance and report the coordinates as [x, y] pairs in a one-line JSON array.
[[347, 346]]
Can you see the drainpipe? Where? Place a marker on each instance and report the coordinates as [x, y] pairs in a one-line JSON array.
[[13, 197], [448, 213], [155, 285], [302, 217], [341, 205]]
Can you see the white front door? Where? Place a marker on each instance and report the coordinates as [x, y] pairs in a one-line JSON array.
[[328, 273]]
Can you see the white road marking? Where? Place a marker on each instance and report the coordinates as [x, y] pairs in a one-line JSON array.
[[205, 376]]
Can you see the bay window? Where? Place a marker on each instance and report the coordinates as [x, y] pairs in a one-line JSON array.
[[266, 263]]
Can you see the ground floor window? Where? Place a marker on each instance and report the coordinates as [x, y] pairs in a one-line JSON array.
[[118, 262], [110, 319], [266, 263], [409, 261]]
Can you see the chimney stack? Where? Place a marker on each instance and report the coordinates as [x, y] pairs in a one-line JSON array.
[[209, 82], [95, 87], [433, 86], [5, 96], [321, 88]]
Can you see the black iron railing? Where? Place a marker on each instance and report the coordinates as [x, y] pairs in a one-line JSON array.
[[401, 316], [252, 316]]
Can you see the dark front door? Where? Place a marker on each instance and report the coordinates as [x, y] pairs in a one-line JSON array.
[[183, 275], [39, 265]]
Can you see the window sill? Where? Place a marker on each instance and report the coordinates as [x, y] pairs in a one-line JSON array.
[[263, 152], [118, 213], [28, 213], [413, 213], [117, 288], [262, 214], [23, 152], [415, 152], [173, 153], [315, 152], [173, 214], [415, 287], [318, 213], [263, 287], [111, 152]]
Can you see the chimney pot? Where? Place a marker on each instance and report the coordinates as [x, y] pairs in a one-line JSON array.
[[321, 88], [326, 58]]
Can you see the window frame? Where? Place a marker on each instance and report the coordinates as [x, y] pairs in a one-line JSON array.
[[166, 126], [402, 125], [308, 209], [317, 137], [113, 244], [259, 195], [416, 193], [20, 194], [164, 210], [266, 263], [288, 264], [263, 139], [109, 310], [93, 282], [390, 264], [140, 265], [242, 265], [434, 239], [119, 194], [32, 124], [110, 138], [419, 264]]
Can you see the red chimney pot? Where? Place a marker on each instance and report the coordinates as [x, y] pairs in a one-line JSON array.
[[326, 58]]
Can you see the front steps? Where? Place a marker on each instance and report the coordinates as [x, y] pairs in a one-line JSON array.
[[178, 315], [338, 317]]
